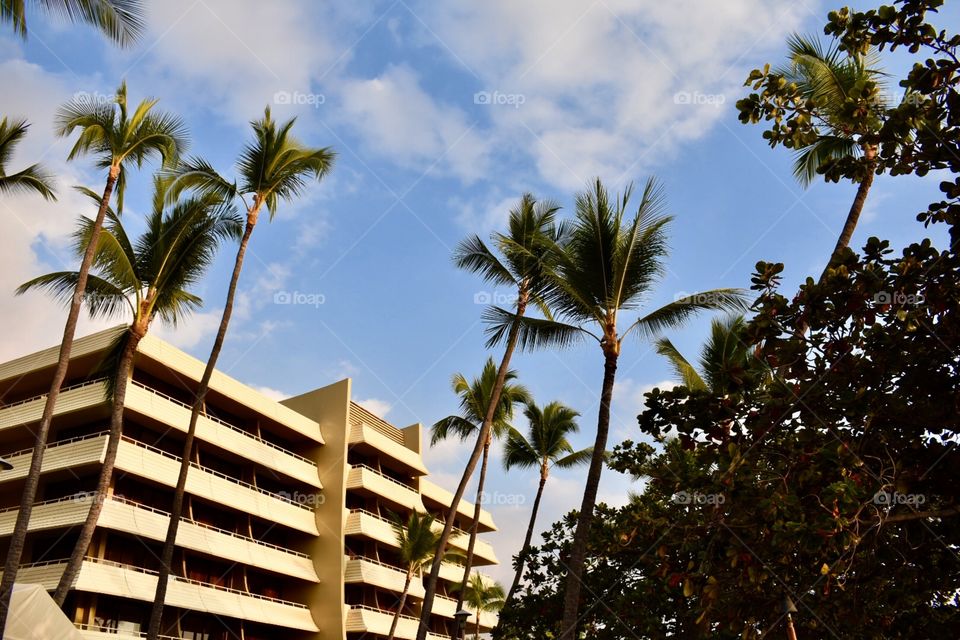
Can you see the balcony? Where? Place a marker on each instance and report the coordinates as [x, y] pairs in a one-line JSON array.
[[73, 398], [385, 576], [364, 523], [153, 464], [364, 619], [126, 581], [445, 607], [146, 522], [147, 402], [364, 435], [443, 497], [482, 550], [172, 412], [93, 632], [364, 478]]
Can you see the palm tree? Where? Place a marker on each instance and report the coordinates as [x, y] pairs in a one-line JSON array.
[[525, 252], [474, 400], [115, 138], [546, 448], [150, 278], [846, 116], [33, 178], [482, 596], [274, 167], [120, 20], [607, 266], [418, 544], [725, 360]]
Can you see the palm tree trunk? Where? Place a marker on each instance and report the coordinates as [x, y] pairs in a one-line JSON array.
[[578, 551], [19, 537], [468, 563], [403, 601], [124, 369], [430, 590], [525, 549], [476, 629], [853, 216], [166, 556]]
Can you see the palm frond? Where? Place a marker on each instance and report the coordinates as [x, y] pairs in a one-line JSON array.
[[676, 313], [472, 254], [681, 366], [534, 333], [120, 20], [101, 298], [575, 459], [812, 157]]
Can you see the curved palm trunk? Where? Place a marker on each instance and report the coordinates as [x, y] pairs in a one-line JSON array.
[[476, 629], [468, 564], [525, 549], [124, 370], [19, 537], [853, 216], [578, 551], [166, 556], [403, 601], [430, 590]]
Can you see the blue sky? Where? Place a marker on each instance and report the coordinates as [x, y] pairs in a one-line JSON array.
[[442, 115]]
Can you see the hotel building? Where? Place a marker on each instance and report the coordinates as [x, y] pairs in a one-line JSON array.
[[287, 520]]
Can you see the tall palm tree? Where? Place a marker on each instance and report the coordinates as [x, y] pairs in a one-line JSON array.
[[120, 20], [525, 252], [725, 360], [846, 115], [150, 278], [482, 596], [609, 265], [546, 448], [474, 399], [418, 544], [273, 167], [33, 178], [115, 138]]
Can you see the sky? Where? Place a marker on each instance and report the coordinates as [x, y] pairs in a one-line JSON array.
[[442, 115]]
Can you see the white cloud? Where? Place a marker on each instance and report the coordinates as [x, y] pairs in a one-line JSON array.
[[399, 120], [36, 233], [273, 394], [603, 85], [377, 407], [629, 402]]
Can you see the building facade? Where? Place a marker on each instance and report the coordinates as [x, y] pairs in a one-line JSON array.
[[287, 520]]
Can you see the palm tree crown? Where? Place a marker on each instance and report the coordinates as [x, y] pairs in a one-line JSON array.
[[845, 90], [114, 135], [417, 540], [547, 445], [274, 167], [474, 399], [33, 178], [725, 361], [120, 20], [151, 276]]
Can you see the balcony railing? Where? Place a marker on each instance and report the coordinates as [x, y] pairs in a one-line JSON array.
[[223, 423], [58, 443], [360, 415], [72, 387], [94, 628], [151, 572], [219, 474], [383, 475], [204, 525]]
